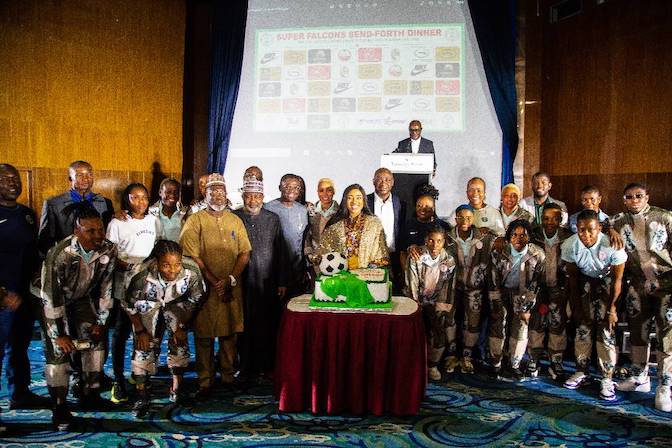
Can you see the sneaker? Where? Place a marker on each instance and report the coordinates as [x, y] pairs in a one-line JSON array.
[[516, 373], [434, 374], [141, 407], [451, 364], [495, 373], [466, 365], [607, 389], [118, 394], [663, 399], [176, 396], [532, 369], [62, 418], [577, 380], [639, 383], [557, 371]]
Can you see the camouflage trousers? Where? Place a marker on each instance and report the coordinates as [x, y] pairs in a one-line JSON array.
[[505, 318], [648, 303], [143, 363], [549, 314], [472, 303], [590, 316], [441, 331], [79, 317]]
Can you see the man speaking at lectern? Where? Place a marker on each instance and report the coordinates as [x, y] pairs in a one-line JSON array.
[[415, 143]]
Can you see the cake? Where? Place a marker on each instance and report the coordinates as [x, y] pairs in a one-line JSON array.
[[359, 289]]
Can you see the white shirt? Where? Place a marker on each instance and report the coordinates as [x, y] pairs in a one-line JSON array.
[[415, 145], [384, 210], [593, 261]]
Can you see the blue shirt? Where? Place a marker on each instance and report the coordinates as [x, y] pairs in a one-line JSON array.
[[595, 261]]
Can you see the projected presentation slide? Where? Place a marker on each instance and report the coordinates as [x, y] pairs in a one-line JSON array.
[[359, 78]]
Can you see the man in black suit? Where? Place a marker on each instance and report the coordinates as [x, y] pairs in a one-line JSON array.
[[57, 221], [392, 213], [415, 143]]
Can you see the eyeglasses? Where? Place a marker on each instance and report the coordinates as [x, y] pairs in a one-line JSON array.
[[415, 129], [630, 197]]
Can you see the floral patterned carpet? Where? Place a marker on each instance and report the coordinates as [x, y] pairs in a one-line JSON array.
[[462, 411]]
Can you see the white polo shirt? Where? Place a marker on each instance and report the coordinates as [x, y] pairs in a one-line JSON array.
[[384, 210]]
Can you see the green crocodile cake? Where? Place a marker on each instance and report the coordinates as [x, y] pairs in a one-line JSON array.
[[359, 289]]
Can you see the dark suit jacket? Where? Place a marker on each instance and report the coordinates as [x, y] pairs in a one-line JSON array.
[[426, 147], [55, 225], [399, 208]]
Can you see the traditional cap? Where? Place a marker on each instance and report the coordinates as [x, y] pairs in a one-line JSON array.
[[513, 187], [215, 179], [252, 185], [464, 207]]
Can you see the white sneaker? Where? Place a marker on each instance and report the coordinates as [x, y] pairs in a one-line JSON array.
[[434, 374], [607, 389], [663, 399], [577, 380], [639, 383]]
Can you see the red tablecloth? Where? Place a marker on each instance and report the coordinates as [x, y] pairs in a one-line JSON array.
[[356, 363]]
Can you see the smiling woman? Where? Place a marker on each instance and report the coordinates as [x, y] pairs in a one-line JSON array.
[[354, 232]]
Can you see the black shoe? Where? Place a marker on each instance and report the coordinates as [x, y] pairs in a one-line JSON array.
[[62, 418], [516, 374], [203, 394], [532, 370], [30, 400], [495, 373], [94, 402], [141, 407], [176, 396], [105, 382]]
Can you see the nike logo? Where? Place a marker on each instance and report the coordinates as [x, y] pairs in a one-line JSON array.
[[2, 220]]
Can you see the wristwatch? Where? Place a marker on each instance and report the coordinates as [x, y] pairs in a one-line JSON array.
[[234, 282]]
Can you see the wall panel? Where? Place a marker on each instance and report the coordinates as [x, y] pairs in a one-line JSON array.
[[95, 80]]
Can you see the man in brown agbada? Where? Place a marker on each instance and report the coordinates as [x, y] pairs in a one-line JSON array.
[[217, 241]]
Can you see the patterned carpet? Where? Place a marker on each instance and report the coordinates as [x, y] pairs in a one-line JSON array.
[[464, 411]]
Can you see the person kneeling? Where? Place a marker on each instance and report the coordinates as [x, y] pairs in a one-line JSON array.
[[429, 281], [162, 297]]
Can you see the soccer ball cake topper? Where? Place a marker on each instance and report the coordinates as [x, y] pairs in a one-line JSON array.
[[332, 263]]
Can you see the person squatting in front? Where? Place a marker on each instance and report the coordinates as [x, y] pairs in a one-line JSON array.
[[595, 271], [162, 298], [429, 280], [76, 295], [516, 274]]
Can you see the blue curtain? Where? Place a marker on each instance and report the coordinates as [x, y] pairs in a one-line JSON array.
[[495, 28], [228, 33]]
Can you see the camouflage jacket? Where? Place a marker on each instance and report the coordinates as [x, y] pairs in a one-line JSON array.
[[179, 299], [531, 275], [66, 278], [553, 258], [416, 276], [658, 240], [472, 271], [519, 213]]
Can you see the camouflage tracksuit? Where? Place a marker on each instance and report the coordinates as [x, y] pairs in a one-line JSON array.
[[551, 308], [518, 213], [75, 294], [471, 282], [163, 306], [594, 285], [513, 290], [648, 243], [430, 283]]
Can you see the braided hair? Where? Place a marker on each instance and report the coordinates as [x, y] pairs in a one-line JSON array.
[[164, 247]]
